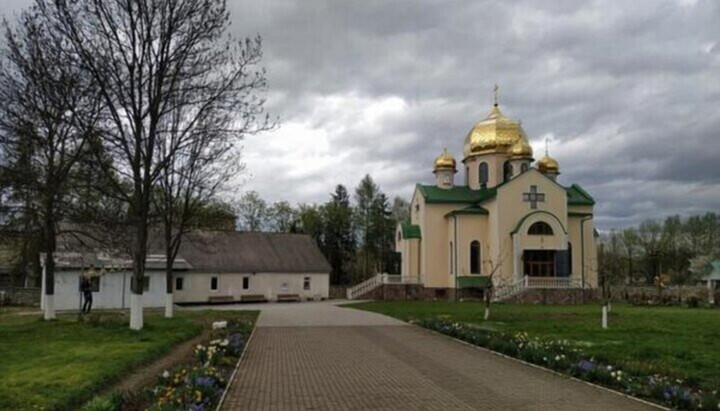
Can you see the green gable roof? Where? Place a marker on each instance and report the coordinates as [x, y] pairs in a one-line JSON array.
[[410, 230], [715, 273], [468, 210], [465, 195], [578, 196], [457, 194]]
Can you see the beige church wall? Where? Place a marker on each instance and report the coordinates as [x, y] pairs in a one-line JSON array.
[[196, 286], [514, 209], [435, 245], [471, 227], [410, 257], [590, 251], [495, 169], [580, 209]]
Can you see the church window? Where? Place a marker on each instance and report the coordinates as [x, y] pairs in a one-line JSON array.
[[475, 262], [507, 171], [524, 167], [540, 228], [399, 236], [570, 257], [483, 170], [467, 176]]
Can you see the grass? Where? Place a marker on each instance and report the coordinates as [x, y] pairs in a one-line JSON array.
[[59, 364], [673, 341]]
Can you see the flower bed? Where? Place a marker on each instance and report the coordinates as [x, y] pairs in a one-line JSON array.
[[200, 386], [564, 357]]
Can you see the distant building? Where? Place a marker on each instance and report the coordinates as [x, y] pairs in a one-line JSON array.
[[211, 266]]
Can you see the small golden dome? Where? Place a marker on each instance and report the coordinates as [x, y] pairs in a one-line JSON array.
[[548, 164], [521, 149], [495, 134], [445, 161]]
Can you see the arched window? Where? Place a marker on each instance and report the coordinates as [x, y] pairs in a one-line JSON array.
[[540, 228], [399, 236], [570, 269], [467, 176], [524, 167], [483, 170], [507, 171], [475, 262]]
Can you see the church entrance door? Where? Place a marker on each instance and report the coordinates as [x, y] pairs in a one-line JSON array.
[[539, 263]]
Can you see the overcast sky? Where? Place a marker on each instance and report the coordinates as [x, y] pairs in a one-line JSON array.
[[627, 93]]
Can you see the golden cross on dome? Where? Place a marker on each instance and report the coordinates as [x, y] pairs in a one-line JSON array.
[[496, 94]]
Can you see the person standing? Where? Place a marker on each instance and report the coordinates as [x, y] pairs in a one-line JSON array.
[[86, 288]]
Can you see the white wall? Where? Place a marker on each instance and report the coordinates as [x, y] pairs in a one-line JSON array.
[[196, 286], [110, 296]]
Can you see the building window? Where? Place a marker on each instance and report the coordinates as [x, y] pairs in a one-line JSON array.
[[467, 176], [475, 262], [540, 228], [146, 284], [213, 283], [399, 236], [246, 283], [483, 173], [451, 258], [524, 167], [570, 267], [507, 171], [306, 283], [178, 283]]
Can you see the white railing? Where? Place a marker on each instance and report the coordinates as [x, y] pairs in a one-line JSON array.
[[504, 292], [550, 282], [378, 280], [507, 291]]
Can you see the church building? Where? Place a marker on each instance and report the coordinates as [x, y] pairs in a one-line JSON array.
[[508, 220]]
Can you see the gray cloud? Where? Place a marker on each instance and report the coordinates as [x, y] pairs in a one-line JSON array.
[[625, 91]]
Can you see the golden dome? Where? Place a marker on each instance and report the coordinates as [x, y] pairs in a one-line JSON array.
[[521, 149], [548, 164], [445, 161], [495, 134]]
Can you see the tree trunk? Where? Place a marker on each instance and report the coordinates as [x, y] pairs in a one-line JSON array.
[[605, 316], [487, 303], [50, 246], [168, 272], [139, 248]]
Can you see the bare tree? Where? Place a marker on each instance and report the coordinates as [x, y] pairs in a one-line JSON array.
[[492, 268], [194, 176], [149, 59], [252, 211], [44, 101]]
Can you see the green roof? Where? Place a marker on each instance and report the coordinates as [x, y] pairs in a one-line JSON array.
[[457, 194], [715, 273], [410, 230], [468, 210], [465, 195], [578, 196], [473, 281]]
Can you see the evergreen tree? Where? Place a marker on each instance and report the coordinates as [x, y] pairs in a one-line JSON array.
[[339, 235]]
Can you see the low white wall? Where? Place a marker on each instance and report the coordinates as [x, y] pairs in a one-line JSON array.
[[110, 296], [196, 286]]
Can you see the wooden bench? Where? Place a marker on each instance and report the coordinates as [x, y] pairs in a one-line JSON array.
[[288, 297], [220, 299], [253, 298]]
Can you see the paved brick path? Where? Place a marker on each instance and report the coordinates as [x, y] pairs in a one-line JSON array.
[[364, 364]]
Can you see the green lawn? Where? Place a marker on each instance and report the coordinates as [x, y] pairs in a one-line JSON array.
[[59, 364], [675, 341]]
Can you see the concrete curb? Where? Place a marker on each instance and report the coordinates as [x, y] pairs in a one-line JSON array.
[[237, 365], [652, 404]]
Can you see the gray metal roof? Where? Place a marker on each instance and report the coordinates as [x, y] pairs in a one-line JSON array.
[[211, 251]]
